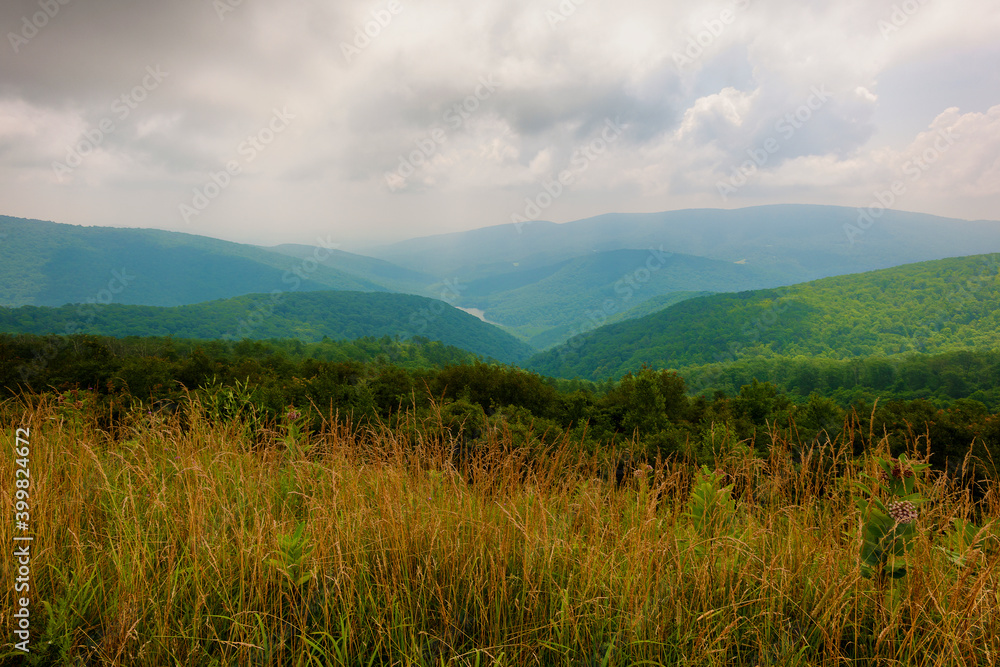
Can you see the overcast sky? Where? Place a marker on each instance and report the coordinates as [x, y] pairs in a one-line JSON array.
[[268, 122]]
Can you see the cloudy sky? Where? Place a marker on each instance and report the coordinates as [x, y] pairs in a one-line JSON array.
[[266, 122]]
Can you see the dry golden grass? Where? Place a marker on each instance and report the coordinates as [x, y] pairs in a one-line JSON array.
[[157, 548]]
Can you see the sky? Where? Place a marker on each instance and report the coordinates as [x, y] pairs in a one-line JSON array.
[[368, 122]]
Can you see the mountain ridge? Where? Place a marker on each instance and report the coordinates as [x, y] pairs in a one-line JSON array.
[[933, 306], [308, 316], [543, 281], [724, 234], [50, 264]]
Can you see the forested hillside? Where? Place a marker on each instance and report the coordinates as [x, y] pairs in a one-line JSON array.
[[308, 316], [542, 282], [942, 377], [393, 277], [547, 281], [929, 307], [50, 264], [602, 285], [372, 382]]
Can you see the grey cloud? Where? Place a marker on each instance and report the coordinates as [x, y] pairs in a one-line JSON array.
[[558, 86]]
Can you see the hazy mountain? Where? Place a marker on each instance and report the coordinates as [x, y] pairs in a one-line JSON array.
[[798, 242], [307, 316], [392, 277], [541, 281], [544, 281], [50, 264], [931, 306], [600, 286]]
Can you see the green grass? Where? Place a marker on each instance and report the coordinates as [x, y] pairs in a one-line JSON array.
[[166, 545]]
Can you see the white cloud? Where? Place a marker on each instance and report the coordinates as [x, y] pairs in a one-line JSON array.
[[712, 117], [687, 125], [959, 154]]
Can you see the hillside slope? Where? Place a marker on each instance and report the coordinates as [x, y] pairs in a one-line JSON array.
[[51, 264], [393, 277], [308, 316], [602, 285], [931, 306]]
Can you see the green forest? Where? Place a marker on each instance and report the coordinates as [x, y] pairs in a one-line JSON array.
[[546, 308], [373, 381], [51, 264], [930, 307], [308, 316]]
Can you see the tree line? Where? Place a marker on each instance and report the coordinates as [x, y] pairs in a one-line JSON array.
[[385, 382]]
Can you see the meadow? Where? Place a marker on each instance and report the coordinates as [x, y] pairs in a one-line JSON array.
[[181, 539]]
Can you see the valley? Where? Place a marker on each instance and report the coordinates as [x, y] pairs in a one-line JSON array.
[[614, 374], [500, 334], [542, 283]]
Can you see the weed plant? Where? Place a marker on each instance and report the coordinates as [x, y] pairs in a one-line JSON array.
[[193, 542]]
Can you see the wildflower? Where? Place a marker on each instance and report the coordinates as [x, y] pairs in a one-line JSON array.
[[292, 414], [897, 472], [903, 511]]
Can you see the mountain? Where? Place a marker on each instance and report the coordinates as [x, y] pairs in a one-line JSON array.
[[390, 276], [600, 285], [654, 304], [544, 281], [308, 316], [797, 242], [50, 264], [933, 306]]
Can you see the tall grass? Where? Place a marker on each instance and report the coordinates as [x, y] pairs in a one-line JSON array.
[[174, 543]]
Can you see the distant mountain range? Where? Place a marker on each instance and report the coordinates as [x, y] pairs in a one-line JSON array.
[[540, 281], [528, 277], [798, 242], [307, 316], [932, 307]]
